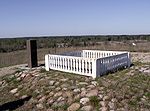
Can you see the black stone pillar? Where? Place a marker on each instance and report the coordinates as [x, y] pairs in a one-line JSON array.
[[32, 53]]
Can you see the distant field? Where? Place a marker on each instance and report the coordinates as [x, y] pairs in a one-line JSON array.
[[20, 57]]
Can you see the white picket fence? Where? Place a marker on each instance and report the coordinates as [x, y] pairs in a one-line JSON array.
[[90, 63]]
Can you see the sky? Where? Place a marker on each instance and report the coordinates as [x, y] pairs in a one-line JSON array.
[[26, 18]]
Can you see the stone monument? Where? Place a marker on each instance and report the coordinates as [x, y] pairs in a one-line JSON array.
[[32, 53]]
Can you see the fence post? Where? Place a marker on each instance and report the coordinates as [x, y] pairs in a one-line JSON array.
[[47, 62], [94, 68], [129, 60]]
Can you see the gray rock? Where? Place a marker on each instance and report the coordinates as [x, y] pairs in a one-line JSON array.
[[87, 108], [64, 80], [83, 89], [83, 93], [91, 86], [50, 101], [58, 94], [1, 83], [76, 97], [16, 94], [51, 83], [105, 98], [60, 99], [49, 110], [111, 105], [24, 96], [102, 103], [83, 83], [57, 83], [114, 100], [51, 94], [92, 93], [42, 99], [40, 106], [51, 87], [100, 96], [73, 107], [84, 100], [64, 89], [73, 87], [94, 83], [58, 89], [103, 109], [65, 85], [13, 91], [76, 90]]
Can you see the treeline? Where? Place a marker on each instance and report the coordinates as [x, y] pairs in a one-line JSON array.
[[14, 44]]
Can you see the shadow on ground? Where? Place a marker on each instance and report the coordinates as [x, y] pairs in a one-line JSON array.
[[14, 104]]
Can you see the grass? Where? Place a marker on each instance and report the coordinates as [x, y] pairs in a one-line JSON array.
[[42, 70], [14, 58], [128, 90], [94, 101], [62, 107]]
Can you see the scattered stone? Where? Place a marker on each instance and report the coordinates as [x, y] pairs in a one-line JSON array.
[[60, 99], [100, 96], [49, 110], [58, 89], [92, 93], [57, 83], [83, 93], [23, 75], [83, 83], [103, 109], [83, 89], [42, 99], [24, 96], [94, 83], [39, 106], [87, 108], [16, 94], [76, 97], [73, 107], [65, 85], [105, 98], [51, 83], [73, 87], [2, 82], [64, 80], [37, 91], [91, 87], [13, 91], [50, 101], [111, 105], [58, 94], [102, 103], [84, 101], [114, 100], [76, 90], [52, 87], [64, 89], [68, 94]]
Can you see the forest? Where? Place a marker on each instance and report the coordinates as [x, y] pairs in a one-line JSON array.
[[14, 44]]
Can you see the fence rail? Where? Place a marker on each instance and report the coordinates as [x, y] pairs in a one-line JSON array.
[[91, 63]]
